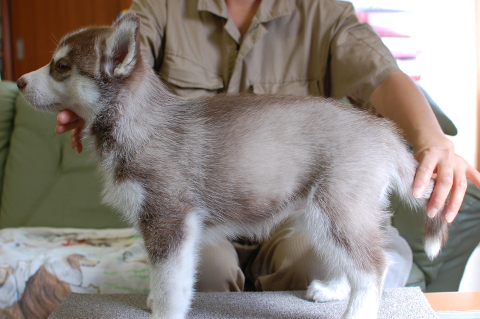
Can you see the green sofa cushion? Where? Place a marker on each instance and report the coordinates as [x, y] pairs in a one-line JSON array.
[[8, 95], [45, 182]]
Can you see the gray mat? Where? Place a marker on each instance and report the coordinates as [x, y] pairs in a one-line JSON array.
[[396, 303]]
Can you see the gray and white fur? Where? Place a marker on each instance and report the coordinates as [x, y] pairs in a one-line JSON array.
[[186, 172]]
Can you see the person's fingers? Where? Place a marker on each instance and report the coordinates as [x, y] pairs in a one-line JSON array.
[[464, 172], [426, 168], [442, 188], [473, 175], [457, 194], [68, 120], [76, 140], [451, 173], [62, 128], [422, 178], [67, 116]]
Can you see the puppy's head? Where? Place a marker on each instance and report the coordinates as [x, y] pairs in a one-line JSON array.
[[87, 69]]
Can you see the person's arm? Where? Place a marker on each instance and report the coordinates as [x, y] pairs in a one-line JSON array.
[[399, 99], [363, 69]]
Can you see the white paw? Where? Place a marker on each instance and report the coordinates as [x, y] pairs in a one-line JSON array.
[[149, 303], [160, 310], [156, 314], [319, 291]]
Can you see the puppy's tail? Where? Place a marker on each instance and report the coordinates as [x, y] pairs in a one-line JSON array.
[[435, 229]]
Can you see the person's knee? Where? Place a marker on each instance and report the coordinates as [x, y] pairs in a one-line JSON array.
[[286, 261], [294, 276], [218, 269]]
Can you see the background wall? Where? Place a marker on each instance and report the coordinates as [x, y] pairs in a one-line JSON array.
[[445, 32], [448, 37]]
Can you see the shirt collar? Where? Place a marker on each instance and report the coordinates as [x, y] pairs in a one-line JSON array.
[[272, 9], [267, 11], [217, 7]]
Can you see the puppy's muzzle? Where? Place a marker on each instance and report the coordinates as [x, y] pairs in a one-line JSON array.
[[21, 83]]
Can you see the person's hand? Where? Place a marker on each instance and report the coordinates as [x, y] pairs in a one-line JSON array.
[[451, 172], [400, 99], [69, 121]]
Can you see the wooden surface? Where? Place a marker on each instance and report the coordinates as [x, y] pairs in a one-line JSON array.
[[6, 40], [454, 301]]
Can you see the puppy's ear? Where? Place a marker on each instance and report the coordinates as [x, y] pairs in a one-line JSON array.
[[122, 45]]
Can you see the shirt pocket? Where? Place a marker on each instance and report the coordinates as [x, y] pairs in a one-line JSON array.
[[301, 88], [189, 79]]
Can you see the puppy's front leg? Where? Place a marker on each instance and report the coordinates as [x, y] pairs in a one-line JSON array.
[[172, 250]]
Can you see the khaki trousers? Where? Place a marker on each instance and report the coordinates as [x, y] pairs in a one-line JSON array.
[[285, 261]]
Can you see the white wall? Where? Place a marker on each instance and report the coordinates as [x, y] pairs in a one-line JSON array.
[[449, 65], [446, 34]]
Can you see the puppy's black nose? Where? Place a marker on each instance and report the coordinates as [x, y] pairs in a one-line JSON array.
[[21, 83]]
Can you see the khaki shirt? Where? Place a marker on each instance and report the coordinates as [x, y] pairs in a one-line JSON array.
[[303, 47]]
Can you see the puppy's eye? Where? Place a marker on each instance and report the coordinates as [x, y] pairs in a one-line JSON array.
[[62, 66]]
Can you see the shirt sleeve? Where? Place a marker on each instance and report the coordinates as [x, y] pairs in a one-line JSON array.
[[153, 17], [359, 61]]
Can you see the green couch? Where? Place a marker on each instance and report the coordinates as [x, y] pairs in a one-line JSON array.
[[42, 181], [45, 183]]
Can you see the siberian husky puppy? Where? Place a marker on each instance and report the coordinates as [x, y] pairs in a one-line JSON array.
[[186, 172]]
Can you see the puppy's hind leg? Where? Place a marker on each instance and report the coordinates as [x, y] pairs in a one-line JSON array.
[[352, 250], [365, 295], [173, 262], [334, 288]]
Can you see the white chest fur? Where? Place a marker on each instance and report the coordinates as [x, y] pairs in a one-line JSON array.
[[126, 195]]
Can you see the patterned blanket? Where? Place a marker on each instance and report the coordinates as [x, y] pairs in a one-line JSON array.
[[39, 267]]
